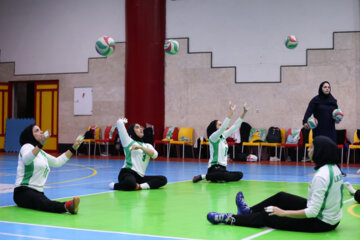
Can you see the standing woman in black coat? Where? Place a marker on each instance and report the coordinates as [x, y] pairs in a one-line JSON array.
[[322, 106]]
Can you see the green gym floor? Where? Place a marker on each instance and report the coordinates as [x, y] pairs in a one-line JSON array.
[[177, 211]]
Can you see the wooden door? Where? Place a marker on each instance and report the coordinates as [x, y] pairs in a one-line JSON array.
[[4, 111], [46, 111]]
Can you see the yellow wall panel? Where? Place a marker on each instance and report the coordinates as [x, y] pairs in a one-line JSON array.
[[2, 105], [46, 110], [2, 142], [46, 86], [51, 144], [4, 87], [37, 108], [55, 117]]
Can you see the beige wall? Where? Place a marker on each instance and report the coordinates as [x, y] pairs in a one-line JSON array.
[[196, 94]]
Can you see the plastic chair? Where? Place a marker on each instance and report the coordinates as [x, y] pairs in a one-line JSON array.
[[90, 141], [109, 139], [275, 145], [292, 145], [341, 136], [203, 143], [185, 138], [167, 137], [355, 145], [255, 144], [308, 144]]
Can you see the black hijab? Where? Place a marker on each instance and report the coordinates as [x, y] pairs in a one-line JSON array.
[[211, 128], [133, 135], [325, 152], [27, 136], [326, 98]]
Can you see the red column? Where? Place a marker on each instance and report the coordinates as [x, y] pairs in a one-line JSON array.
[[144, 75]]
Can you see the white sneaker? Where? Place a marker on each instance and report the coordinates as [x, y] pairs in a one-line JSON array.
[[274, 159], [111, 185], [350, 188]]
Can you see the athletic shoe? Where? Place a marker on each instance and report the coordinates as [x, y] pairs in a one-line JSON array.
[[111, 185], [197, 178], [216, 218], [73, 205], [242, 207], [350, 188]]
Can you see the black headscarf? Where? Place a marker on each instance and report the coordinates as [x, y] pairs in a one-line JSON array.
[[27, 136], [211, 128], [326, 98], [133, 135], [325, 151]]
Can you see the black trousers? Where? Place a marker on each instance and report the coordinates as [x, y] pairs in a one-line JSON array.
[[30, 198], [259, 218], [218, 173], [128, 179], [357, 196]]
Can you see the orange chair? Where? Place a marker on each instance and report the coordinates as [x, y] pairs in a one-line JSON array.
[[292, 145], [109, 139], [96, 131], [355, 146], [170, 134], [275, 145], [185, 138]]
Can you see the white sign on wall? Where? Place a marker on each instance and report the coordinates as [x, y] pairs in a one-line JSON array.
[[82, 101]]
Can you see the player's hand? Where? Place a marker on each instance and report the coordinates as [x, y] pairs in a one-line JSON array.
[[123, 120], [135, 147], [306, 126], [79, 140]]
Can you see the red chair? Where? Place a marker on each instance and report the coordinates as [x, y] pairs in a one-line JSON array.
[[109, 139], [292, 145], [170, 134]]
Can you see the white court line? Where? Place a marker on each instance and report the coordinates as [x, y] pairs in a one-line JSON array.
[[259, 234], [25, 236], [99, 231]]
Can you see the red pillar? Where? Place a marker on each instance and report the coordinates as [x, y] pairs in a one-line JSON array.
[[144, 77]]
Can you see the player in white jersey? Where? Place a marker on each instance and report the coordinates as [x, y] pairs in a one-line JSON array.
[[33, 169], [217, 134], [320, 212], [137, 157], [355, 193]]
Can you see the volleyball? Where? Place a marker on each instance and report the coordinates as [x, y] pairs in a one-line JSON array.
[[291, 42], [337, 114], [312, 121], [105, 46], [171, 46]]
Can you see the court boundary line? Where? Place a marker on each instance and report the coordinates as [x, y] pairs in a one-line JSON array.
[[25, 236], [100, 231]]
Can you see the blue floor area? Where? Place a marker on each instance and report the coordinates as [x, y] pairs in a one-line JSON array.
[[90, 176], [81, 176]]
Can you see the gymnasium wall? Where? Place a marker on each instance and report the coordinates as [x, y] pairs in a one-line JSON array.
[[44, 40]]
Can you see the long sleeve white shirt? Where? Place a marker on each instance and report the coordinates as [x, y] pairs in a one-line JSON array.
[[137, 160], [32, 171]]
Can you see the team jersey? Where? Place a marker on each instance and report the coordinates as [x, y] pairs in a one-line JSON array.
[[325, 195], [137, 160], [32, 171], [218, 145]]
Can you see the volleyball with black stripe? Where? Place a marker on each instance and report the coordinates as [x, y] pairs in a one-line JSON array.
[[291, 42], [171, 46], [105, 46]]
